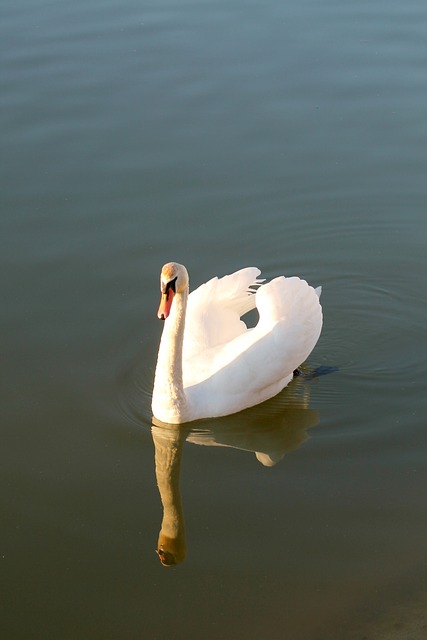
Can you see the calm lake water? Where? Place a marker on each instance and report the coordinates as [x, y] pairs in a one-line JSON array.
[[286, 135]]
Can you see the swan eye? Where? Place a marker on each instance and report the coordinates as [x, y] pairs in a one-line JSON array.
[[170, 285]]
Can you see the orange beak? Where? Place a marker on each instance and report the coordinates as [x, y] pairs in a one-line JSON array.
[[165, 304]]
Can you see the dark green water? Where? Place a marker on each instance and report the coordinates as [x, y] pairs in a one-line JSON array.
[[289, 136]]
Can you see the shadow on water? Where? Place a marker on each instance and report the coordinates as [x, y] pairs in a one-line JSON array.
[[270, 431]]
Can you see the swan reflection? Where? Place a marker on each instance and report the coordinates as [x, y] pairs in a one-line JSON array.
[[269, 431]]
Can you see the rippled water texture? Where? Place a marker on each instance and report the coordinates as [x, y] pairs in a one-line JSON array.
[[289, 136]]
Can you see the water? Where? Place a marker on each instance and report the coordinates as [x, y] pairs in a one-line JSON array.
[[290, 136]]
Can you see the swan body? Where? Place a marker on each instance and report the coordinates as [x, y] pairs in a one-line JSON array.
[[209, 363]]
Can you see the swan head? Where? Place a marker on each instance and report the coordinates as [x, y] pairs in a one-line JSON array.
[[173, 280]]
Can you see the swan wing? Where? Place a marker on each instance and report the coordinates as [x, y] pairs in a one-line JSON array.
[[257, 363], [214, 311]]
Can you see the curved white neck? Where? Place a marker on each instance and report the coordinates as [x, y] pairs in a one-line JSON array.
[[168, 392]]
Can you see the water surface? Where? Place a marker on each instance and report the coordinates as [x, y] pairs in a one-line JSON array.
[[290, 136]]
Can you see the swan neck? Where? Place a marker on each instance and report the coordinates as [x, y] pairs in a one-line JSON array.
[[168, 385]]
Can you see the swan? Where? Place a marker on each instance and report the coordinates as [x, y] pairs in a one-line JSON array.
[[209, 363]]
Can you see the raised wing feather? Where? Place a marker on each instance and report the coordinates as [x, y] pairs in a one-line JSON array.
[[214, 311]]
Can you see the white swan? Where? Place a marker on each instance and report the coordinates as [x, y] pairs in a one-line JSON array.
[[209, 363]]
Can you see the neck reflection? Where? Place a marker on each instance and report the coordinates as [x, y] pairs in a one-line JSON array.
[[270, 430]]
